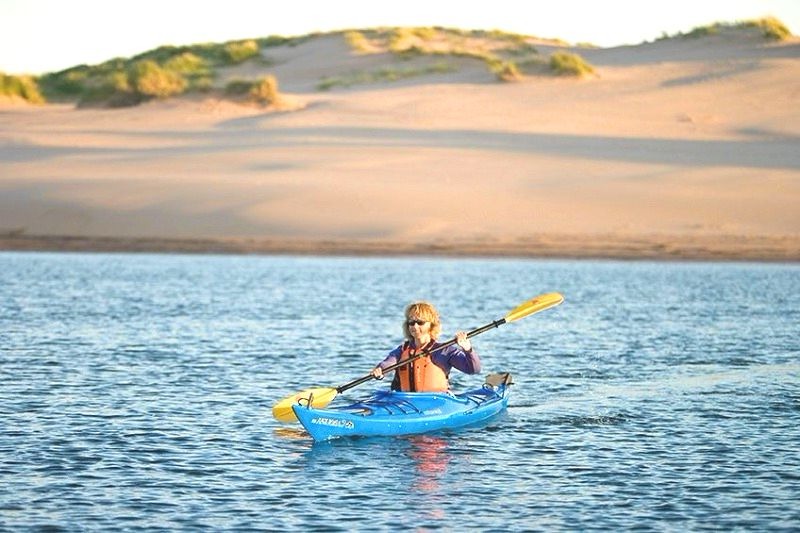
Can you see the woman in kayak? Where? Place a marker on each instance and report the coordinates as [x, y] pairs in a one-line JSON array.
[[428, 373]]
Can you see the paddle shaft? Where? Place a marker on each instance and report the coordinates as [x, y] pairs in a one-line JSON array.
[[473, 333]]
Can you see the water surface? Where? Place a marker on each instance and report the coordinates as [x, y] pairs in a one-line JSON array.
[[137, 390]]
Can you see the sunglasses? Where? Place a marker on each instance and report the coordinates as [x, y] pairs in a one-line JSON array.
[[417, 322]]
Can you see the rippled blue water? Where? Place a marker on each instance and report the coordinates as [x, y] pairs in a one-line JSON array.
[[136, 394]]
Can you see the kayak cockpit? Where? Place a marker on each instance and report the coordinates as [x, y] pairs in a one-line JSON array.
[[391, 403]]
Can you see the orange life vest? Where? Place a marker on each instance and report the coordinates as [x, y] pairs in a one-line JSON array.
[[421, 375]]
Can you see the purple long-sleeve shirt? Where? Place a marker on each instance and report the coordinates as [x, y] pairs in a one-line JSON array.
[[447, 358]]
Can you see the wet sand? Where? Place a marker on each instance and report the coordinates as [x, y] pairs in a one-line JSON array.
[[731, 248]]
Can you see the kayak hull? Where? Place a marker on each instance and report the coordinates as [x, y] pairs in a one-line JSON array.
[[389, 413]]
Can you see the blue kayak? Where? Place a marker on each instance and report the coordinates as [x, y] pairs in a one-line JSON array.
[[388, 413]]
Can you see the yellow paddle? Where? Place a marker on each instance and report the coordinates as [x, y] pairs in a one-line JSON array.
[[321, 396]]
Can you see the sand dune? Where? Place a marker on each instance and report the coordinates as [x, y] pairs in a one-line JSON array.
[[678, 148]]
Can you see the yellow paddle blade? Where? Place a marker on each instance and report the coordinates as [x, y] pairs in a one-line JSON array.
[[320, 397], [540, 303]]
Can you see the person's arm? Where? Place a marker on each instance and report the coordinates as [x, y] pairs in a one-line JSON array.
[[466, 361], [391, 359]]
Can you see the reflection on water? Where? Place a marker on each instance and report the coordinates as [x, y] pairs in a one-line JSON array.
[[431, 458], [291, 432], [409, 473]]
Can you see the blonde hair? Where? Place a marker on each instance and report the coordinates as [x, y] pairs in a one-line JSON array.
[[423, 311]]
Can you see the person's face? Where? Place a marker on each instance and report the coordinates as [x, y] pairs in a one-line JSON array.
[[417, 326]]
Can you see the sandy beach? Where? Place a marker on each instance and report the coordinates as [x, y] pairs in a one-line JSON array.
[[682, 148]]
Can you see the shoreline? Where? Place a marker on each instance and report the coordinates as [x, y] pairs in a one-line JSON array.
[[732, 248]]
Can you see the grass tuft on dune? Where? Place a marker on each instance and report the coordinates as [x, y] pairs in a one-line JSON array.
[[172, 71]]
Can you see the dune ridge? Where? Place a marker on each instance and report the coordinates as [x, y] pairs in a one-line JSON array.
[[681, 148]]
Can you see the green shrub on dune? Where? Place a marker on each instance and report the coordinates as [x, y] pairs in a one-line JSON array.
[[110, 90], [401, 40], [24, 87], [217, 54], [502, 35], [278, 40], [142, 81], [495, 48], [159, 73], [262, 91], [173, 70], [382, 75], [90, 85], [504, 70], [569, 64], [65, 85], [151, 80], [703, 31], [265, 91], [236, 52], [162, 54], [771, 28], [357, 41], [194, 69], [187, 63], [169, 71]]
